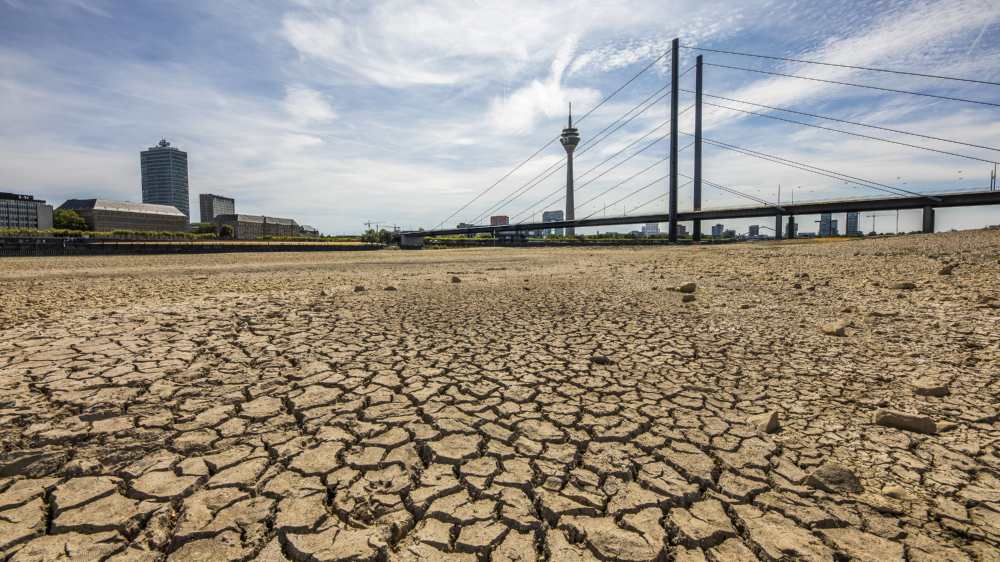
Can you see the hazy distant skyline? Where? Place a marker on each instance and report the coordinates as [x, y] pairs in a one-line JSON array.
[[336, 113]]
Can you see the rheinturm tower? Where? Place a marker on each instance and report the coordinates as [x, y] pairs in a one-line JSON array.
[[569, 139]]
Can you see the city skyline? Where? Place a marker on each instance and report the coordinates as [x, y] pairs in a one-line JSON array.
[[273, 113]]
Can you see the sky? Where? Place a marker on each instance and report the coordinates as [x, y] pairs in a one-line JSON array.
[[340, 113]]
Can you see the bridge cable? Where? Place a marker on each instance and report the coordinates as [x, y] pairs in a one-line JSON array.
[[870, 87], [758, 114], [585, 146], [827, 117], [549, 143], [868, 68], [562, 163], [814, 169], [560, 191]]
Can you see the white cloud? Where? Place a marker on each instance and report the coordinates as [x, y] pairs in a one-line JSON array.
[[306, 105], [518, 112]]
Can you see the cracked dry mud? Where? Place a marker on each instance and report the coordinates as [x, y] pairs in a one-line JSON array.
[[555, 404]]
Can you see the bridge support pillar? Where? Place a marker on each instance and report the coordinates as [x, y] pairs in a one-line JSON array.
[[696, 230], [928, 223], [777, 227]]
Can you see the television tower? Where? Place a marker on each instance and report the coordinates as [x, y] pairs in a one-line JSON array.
[[569, 139]]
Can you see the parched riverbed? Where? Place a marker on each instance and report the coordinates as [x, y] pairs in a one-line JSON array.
[[800, 401]]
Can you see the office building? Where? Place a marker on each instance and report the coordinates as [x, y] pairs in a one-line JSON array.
[[853, 224], [754, 230], [103, 215], [834, 230], [553, 216], [826, 224], [499, 220], [252, 227], [650, 229], [215, 205], [24, 211], [165, 177], [717, 230], [681, 230]]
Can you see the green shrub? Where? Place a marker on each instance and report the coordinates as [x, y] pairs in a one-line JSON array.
[[67, 219]]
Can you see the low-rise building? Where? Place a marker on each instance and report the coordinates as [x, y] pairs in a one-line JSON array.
[[499, 220], [252, 227], [24, 211], [103, 215], [306, 230]]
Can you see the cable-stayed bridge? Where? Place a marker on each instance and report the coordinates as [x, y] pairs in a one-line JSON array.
[[668, 186]]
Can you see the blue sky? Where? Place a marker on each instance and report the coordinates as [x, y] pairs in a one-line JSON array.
[[339, 112]]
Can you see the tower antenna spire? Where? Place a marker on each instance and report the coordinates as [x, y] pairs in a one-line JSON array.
[[570, 115]]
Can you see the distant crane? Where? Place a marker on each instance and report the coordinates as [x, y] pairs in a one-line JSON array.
[[873, 215]]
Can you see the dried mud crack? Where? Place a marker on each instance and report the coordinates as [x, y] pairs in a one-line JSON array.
[[815, 401]]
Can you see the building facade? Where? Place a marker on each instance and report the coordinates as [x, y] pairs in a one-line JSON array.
[[24, 211], [103, 215], [212, 206], [717, 230], [253, 227], [165, 177], [499, 220], [553, 216], [650, 229], [853, 224], [754, 230], [826, 224]]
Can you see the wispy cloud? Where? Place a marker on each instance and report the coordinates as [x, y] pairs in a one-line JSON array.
[[401, 110]]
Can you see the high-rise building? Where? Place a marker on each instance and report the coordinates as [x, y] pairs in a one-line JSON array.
[[215, 205], [754, 230], [717, 230], [553, 216], [650, 228], [826, 223], [834, 231], [24, 211], [853, 224], [682, 230], [165, 177], [499, 220]]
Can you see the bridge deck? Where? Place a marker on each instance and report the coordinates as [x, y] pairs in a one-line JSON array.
[[933, 200]]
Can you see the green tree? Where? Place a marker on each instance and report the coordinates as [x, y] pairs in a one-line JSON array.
[[69, 220], [225, 231]]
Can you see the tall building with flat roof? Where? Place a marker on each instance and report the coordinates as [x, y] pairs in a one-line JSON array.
[[24, 211], [214, 205], [826, 224], [499, 220], [754, 230], [853, 224], [717, 230], [650, 228], [165, 177]]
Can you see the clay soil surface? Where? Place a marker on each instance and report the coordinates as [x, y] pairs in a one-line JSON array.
[[800, 401]]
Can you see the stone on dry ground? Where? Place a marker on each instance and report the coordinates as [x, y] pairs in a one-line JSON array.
[[267, 407]]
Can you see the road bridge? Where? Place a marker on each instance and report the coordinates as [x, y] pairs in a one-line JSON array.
[[927, 202]]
